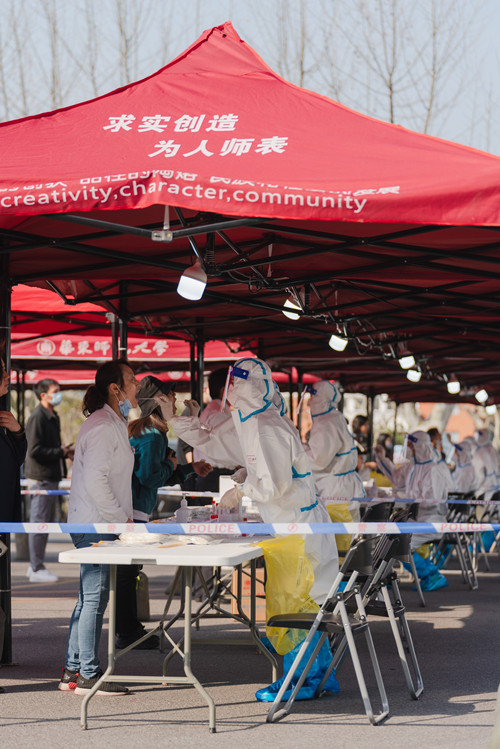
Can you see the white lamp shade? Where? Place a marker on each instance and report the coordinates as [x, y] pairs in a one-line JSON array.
[[192, 282], [288, 306], [407, 361], [453, 387], [481, 396], [337, 343], [413, 375], [491, 410]]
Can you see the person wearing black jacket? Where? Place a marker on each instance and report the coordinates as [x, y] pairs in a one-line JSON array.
[[44, 467], [12, 451]]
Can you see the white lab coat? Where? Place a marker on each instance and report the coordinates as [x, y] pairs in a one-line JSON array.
[[101, 482]]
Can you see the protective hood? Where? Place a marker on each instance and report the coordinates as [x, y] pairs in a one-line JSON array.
[[484, 437], [324, 398], [463, 453], [278, 400], [424, 451], [253, 388], [471, 442]]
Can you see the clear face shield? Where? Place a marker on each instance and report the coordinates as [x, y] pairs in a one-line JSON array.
[[232, 372], [404, 449]]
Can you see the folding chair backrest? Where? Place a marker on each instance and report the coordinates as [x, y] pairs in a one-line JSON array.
[[378, 513], [359, 556]]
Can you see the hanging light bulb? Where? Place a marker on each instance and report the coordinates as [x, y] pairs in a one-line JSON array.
[[453, 386], [413, 375], [481, 396], [337, 343], [291, 304], [407, 361], [491, 410], [192, 282]]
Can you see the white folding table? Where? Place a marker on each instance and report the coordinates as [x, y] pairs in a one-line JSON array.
[[232, 554]]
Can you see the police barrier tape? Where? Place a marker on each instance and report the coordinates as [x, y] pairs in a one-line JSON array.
[[328, 500], [246, 529]]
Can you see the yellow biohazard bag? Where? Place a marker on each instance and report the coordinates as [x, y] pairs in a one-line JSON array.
[[289, 578], [341, 514]]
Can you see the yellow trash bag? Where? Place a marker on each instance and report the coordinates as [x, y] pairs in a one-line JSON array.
[[289, 578], [341, 514], [424, 551]]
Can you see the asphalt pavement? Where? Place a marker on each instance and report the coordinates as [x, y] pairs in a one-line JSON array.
[[457, 638]]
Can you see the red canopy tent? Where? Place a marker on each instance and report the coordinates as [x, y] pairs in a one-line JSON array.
[[387, 237]]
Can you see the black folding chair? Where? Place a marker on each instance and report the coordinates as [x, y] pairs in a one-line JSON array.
[[382, 598], [461, 543], [333, 621]]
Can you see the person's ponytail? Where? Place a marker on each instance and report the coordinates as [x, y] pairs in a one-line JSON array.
[[97, 395]]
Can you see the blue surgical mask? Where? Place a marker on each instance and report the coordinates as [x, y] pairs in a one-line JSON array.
[[56, 398], [125, 407]]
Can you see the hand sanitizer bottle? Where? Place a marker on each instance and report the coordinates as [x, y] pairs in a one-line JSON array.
[[181, 514]]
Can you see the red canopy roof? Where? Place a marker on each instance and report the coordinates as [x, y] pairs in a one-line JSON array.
[[390, 236], [217, 130]]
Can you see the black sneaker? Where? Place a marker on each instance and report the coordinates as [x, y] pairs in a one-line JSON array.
[[68, 680], [123, 641], [107, 688]]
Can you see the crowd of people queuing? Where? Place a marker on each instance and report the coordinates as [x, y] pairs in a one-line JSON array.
[[119, 465]]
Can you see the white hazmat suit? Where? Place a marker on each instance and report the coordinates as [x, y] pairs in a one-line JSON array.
[[419, 478], [465, 473], [331, 449], [279, 476], [487, 463]]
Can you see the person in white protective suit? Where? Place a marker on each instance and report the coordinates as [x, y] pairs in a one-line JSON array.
[[487, 462], [331, 449], [442, 466], [278, 473], [420, 478], [465, 475]]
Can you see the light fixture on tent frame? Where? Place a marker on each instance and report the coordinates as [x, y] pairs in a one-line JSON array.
[[453, 385], [293, 307], [192, 283], [481, 396], [413, 375], [339, 340], [405, 358], [491, 410]]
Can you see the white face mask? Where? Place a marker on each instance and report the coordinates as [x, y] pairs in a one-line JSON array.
[[56, 398]]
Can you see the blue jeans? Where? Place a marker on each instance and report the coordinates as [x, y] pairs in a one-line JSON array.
[[85, 626]]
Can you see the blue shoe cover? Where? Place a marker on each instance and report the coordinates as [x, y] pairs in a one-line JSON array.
[[442, 558], [313, 679], [434, 582], [268, 694]]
